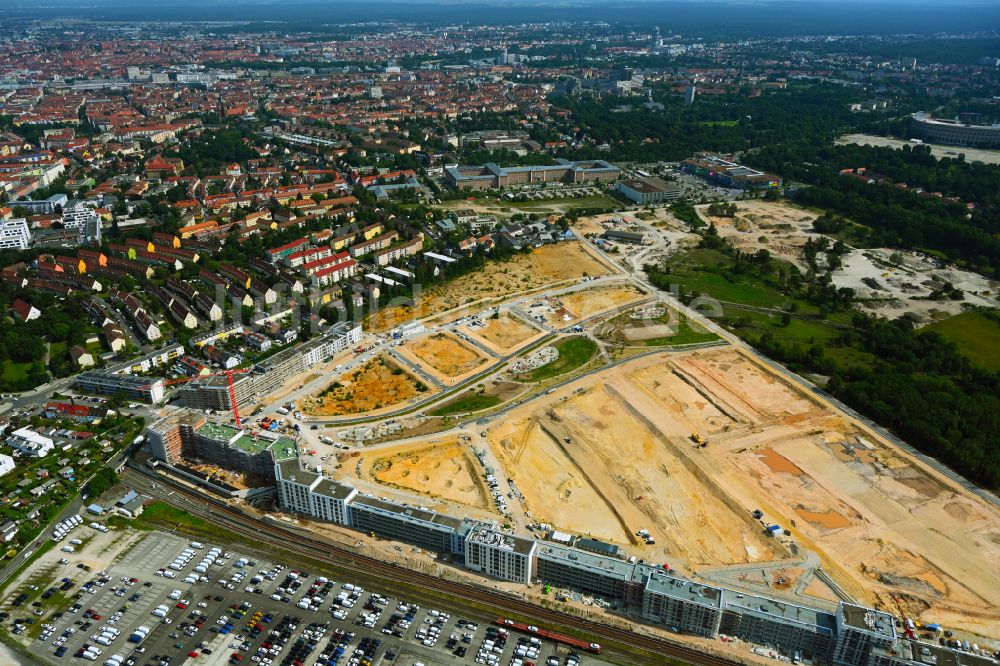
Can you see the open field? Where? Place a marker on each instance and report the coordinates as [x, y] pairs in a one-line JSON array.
[[504, 208], [977, 337], [647, 327], [579, 305], [545, 266], [504, 333], [573, 352], [445, 355], [779, 228], [971, 154], [379, 383], [442, 469], [614, 453]]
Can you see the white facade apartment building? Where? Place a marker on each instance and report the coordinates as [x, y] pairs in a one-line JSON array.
[[312, 494], [500, 555], [30, 443], [14, 234], [78, 216], [6, 464]]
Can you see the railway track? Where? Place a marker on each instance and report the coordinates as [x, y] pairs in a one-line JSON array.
[[297, 543]]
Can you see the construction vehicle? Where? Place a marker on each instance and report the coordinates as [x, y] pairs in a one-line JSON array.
[[696, 438]]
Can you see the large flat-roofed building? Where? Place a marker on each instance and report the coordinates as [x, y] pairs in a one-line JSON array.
[[682, 605], [645, 191], [954, 133], [723, 171], [492, 176], [166, 436], [30, 443], [311, 493], [784, 626], [147, 389], [500, 555], [860, 631], [426, 529], [187, 434], [610, 578]]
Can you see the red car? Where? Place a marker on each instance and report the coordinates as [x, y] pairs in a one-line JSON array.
[[193, 654]]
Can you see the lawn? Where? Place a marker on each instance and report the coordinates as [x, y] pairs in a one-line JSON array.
[[686, 335], [469, 402], [15, 372], [573, 352], [977, 337]]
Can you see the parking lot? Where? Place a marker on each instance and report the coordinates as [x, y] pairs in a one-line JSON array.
[[208, 604]]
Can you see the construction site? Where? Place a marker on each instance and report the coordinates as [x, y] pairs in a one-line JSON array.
[[440, 469], [502, 333], [544, 268], [379, 383], [445, 356], [575, 306], [714, 463]]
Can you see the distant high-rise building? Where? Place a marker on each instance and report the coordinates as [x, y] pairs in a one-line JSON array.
[[690, 93]]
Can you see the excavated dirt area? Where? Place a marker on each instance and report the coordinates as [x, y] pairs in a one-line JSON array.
[[546, 266], [444, 470], [505, 333], [617, 452], [580, 305], [445, 355], [379, 383]]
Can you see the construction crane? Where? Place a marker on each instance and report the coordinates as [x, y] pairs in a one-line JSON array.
[[229, 377]]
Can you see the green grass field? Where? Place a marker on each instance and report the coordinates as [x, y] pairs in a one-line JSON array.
[[977, 337], [702, 271], [573, 352], [686, 335], [470, 402], [14, 372]]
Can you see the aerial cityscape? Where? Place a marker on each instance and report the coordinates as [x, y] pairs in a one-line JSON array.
[[517, 334]]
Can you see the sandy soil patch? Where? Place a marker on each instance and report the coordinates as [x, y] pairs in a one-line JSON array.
[[580, 305], [446, 354], [504, 333], [894, 283], [888, 530], [379, 383], [543, 267], [592, 465], [444, 469], [779, 228]]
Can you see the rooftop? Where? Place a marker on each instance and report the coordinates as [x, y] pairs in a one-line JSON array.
[[584, 560], [814, 618], [685, 590], [868, 620]]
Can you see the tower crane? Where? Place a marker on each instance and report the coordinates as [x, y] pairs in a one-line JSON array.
[[228, 374]]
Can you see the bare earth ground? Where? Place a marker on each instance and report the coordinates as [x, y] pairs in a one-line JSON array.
[[441, 469], [503, 334], [446, 354], [545, 266], [783, 227], [379, 383], [971, 154], [619, 457], [905, 287], [580, 305]]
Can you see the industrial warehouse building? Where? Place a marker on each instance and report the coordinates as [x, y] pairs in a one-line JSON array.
[[850, 635], [644, 191], [491, 176], [722, 171]]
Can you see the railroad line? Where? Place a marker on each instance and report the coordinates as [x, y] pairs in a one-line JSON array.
[[249, 526]]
